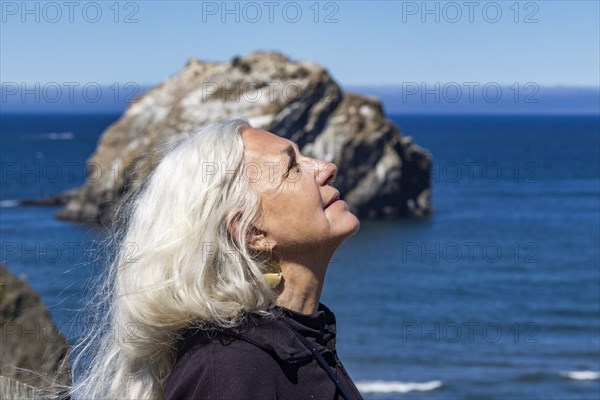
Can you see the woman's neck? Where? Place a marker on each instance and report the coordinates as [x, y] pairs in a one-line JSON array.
[[302, 283], [300, 292]]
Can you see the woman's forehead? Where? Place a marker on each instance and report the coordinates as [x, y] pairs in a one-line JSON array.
[[260, 143]]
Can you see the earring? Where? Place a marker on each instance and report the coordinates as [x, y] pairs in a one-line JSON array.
[[273, 275]]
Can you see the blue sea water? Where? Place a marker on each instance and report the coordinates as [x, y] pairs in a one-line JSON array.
[[495, 296]]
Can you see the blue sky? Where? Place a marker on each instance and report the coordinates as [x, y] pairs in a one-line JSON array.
[[363, 42]]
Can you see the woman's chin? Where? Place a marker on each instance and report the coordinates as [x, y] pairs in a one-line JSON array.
[[345, 225]]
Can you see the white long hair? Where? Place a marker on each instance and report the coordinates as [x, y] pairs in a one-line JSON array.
[[176, 263]]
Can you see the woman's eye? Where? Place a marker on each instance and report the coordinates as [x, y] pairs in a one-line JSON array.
[[294, 167]]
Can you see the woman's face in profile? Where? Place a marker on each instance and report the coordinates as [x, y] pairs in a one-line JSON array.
[[295, 194]]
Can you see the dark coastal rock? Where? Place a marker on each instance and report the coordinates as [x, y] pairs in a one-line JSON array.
[[381, 173], [60, 199], [33, 349]]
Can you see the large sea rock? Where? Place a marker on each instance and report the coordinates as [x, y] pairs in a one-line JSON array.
[[381, 172], [33, 349]]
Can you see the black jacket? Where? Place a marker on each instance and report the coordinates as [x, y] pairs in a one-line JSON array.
[[261, 360]]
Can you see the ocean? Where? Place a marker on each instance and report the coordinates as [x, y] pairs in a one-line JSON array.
[[494, 296]]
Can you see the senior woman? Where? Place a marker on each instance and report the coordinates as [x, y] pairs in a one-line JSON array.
[[214, 292]]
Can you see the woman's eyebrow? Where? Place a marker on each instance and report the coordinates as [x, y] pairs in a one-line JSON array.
[[291, 154]]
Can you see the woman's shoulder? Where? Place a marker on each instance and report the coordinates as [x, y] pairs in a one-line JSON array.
[[216, 346], [255, 335], [262, 358], [225, 363], [221, 369], [219, 350]]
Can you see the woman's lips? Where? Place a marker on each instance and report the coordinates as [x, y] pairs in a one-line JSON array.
[[334, 199]]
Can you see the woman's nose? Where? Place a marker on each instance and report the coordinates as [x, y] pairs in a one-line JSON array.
[[327, 171]]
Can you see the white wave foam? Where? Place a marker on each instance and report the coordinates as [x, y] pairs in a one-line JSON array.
[[581, 375], [52, 136], [9, 203], [62, 136], [396, 386]]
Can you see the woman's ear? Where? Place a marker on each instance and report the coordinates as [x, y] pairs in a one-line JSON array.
[[255, 238]]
